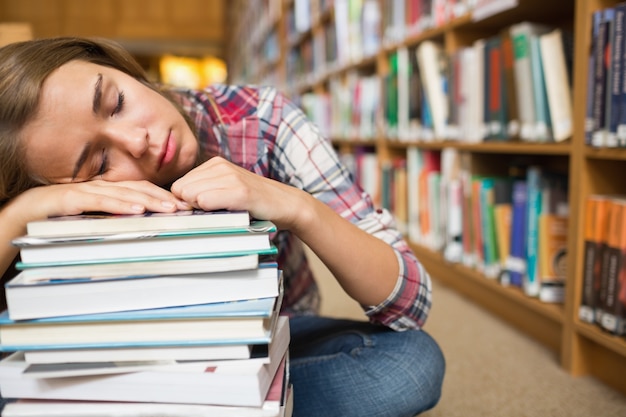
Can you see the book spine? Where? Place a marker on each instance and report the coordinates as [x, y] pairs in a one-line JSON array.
[[612, 319], [524, 81], [599, 89], [492, 262], [531, 282], [543, 125], [591, 68], [516, 262], [593, 210], [602, 276], [508, 65], [615, 82]]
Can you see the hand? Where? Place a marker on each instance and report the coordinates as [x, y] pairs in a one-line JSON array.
[[220, 184], [125, 197]]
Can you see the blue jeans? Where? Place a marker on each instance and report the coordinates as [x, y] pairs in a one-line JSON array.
[[348, 368]]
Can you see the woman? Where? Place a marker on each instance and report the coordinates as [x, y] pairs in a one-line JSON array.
[[82, 129]]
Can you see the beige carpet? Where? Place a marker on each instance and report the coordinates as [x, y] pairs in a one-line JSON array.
[[492, 369]]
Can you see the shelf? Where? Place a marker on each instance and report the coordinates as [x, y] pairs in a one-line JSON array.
[[592, 332], [542, 321], [606, 153], [582, 349], [513, 147]]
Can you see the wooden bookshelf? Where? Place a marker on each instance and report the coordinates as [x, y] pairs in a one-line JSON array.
[[582, 349]]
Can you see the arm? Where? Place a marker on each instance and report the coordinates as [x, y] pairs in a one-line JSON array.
[[312, 195], [65, 199]]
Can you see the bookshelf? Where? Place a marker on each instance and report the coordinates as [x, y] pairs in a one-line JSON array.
[[581, 348]]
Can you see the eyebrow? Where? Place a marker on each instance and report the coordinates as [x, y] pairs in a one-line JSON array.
[[97, 95], [95, 107]]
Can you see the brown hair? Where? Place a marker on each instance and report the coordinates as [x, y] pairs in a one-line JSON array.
[[24, 66]]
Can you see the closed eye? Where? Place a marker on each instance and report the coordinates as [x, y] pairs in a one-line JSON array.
[[104, 163], [120, 103]]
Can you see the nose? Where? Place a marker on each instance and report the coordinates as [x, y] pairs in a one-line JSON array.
[[131, 139]]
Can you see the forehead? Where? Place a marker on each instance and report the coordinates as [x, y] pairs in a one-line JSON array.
[[63, 122]]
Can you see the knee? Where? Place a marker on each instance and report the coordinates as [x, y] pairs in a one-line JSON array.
[[423, 365]]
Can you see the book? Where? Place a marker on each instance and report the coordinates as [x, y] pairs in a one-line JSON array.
[[502, 212], [122, 268], [531, 283], [556, 69], [516, 262], [522, 34], [596, 215], [543, 122], [508, 66], [496, 111], [159, 353], [432, 67], [601, 74], [613, 318], [175, 244], [101, 223], [601, 279], [552, 230], [491, 257], [277, 399], [30, 300], [614, 81], [189, 383], [248, 321], [280, 336], [552, 256]]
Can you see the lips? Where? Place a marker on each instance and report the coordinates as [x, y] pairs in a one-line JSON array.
[[169, 151]]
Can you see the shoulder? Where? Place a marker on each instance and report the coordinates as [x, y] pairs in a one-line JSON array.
[[230, 104]]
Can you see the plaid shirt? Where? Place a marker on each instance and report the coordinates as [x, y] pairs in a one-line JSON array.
[[259, 129]]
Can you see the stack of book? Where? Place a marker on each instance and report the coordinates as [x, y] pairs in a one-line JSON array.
[[160, 314]]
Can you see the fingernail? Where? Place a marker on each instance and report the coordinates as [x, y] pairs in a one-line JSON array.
[[138, 208], [168, 204]]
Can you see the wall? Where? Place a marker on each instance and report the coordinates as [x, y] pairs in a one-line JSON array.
[[147, 26]]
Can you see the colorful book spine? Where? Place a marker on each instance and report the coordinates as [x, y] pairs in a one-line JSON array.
[[532, 281], [516, 262]]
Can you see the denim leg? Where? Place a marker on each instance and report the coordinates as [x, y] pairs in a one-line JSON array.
[[347, 368]]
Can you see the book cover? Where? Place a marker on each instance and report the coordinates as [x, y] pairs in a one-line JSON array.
[[27, 300], [601, 279], [601, 48], [502, 211], [246, 321], [280, 337], [477, 221], [105, 223], [596, 215], [613, 319], [277, 397], [591, 65], [497, 119], [432, 67], [490, 244], [467, 233], [190, 383], [123, 268], [614, 82], [508, 66], [150, 244], [556, 70], [516, 262], [531, 283], [543, 122], [132, 354], [522, 33], [477, 98], [552, 256], [452, 191]]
